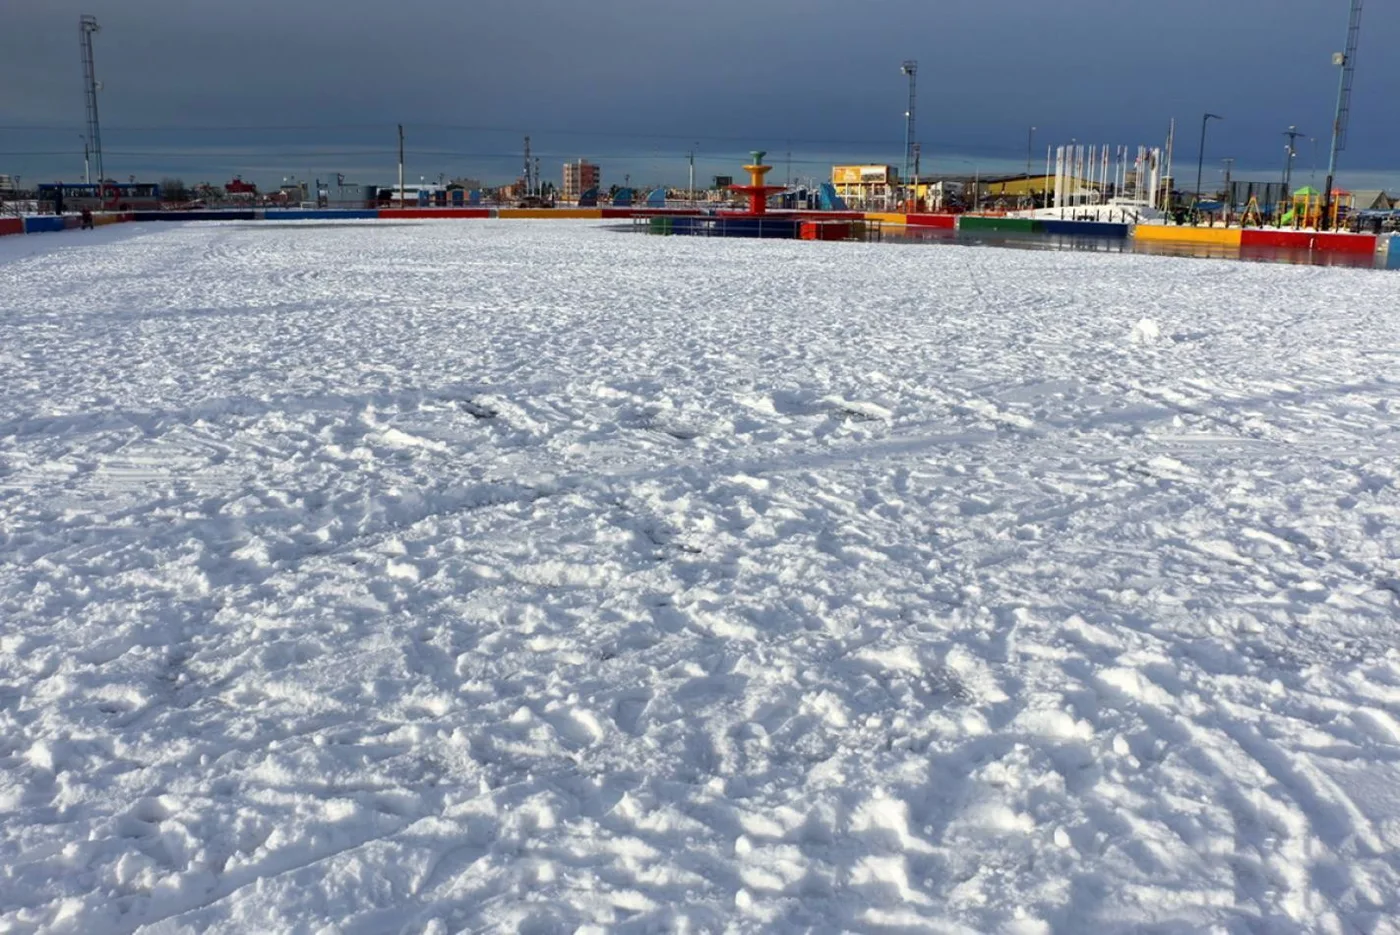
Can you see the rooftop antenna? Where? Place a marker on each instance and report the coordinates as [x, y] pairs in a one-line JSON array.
[[87, 25], [911, 69], [1347, 62]]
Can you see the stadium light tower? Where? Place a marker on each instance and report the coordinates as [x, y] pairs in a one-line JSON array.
[[87, 25], [910, 68]]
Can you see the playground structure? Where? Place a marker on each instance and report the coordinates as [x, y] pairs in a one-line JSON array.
[[1305, 212]]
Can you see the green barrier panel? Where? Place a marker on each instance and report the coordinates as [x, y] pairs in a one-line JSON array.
[[662, 225], [971, 222]]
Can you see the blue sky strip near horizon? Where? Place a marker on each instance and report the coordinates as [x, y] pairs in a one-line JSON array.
[[315, 87]]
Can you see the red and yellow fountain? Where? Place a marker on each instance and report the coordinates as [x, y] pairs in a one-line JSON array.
[[757, 191]]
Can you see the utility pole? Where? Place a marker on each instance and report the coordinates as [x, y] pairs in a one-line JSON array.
[[87, 25], [527, 166], [917, 149], [401, 204], [1030, 143], [1347, 62], [1229, 196], [691, 190]]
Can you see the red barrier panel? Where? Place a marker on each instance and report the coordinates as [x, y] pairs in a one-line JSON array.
[[940, 221], [827, 215], [1309, 240], [825, 230], [11, 226], [1345, 243], [389, 213]]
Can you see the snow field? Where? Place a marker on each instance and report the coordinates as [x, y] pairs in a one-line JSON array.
[[441, 577]]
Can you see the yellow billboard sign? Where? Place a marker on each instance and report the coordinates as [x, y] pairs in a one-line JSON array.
[[860, 175]]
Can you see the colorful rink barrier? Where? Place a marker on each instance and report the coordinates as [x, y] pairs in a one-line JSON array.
[[934, 221], [1166, 233], [1309, 240], [320, 214], [1104, 230], [1325, 247], [49, 225], [397, 214]]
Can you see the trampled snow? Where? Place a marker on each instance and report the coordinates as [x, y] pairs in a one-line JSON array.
[[531, 576]]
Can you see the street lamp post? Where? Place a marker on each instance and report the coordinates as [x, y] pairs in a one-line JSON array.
[[1290, 151], [1201, 158], [691, 191]]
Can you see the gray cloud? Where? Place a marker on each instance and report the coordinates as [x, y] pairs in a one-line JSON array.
[[635, 83]]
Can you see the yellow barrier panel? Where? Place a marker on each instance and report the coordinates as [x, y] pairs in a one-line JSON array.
[[887, 218], [1222, 236], [591, 214]]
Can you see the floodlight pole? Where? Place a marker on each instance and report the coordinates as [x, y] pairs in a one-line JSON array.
[[401, 165], [1347, 62], [87, 25]]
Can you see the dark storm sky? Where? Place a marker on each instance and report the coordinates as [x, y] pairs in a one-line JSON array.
[[275, 87]]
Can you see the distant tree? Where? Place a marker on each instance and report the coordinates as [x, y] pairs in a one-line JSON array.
[[173, 189]]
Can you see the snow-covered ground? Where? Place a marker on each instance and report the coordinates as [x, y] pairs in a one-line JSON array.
[[456, 577]]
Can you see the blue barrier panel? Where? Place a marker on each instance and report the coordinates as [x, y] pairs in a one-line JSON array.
[[192, 216], [1392, 253], [1084, 228], [44, 225], [321, 214], [764, 227]]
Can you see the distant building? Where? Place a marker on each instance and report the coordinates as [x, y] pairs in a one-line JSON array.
[[1371, 200], [865, 186], [579, 177], [238, 186], [1019, 185]]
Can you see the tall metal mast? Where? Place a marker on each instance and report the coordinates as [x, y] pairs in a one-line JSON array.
[[87, 25], [910, 68], [529, 187], [1347, 61]]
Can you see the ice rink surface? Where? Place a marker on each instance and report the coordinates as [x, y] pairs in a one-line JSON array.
[[531, 576]]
